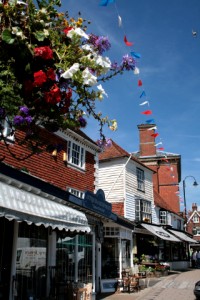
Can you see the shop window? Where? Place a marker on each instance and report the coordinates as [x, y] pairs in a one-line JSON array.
[[163, 217], [77, 193], [143, 210], [140, 180], [76, 155], [74, 258], [111, 231], [31, 258]]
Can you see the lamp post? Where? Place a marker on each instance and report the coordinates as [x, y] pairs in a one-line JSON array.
[[184, 198]]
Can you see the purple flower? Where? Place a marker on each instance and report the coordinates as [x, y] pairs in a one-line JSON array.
[[18, 120], [128, 63], [101, 43], [28, 119], [24, 110], [115, 66], [104, 143], [82, 122]]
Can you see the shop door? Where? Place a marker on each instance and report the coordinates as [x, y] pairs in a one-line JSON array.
[[6, 238]]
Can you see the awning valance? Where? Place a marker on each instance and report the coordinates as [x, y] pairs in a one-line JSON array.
[[17, 204], [160, 232], [184, 237]]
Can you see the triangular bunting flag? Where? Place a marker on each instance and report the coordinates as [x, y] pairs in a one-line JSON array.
[[151, 128], [139, 82], [145, 102], [150, 121], [161, 148], [136, 55], [155, 135], [127, 42], [146, 112], [143, 94], [119, 21], [105, 2], [136, 71]]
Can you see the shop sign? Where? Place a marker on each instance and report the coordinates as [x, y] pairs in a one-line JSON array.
[[97, 203]]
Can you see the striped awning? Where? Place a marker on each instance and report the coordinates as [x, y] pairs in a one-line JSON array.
[[183, 236], [161, 232], [20, 205]]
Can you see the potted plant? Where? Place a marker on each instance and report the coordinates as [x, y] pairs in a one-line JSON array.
[[161, 270]]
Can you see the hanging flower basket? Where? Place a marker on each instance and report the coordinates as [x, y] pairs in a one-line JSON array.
[[51, 68]]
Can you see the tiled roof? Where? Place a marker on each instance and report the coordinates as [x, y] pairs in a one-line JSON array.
[[159, 201], [115, 151]]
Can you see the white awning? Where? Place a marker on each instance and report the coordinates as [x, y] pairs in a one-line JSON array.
[[17, 204], [160, 232], [184, 237]]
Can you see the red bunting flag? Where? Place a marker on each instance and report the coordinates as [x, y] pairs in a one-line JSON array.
[[155, 134], [146, 112], [161, 148], [139, 82], [127, 42]]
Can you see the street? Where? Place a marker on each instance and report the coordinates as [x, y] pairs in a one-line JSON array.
[[177, 286]]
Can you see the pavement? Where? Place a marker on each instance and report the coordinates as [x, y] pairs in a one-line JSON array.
[[175, 286]]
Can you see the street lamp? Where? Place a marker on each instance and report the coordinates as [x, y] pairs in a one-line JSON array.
[[185, 207]]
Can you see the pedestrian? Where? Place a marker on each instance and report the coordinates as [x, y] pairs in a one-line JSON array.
[[198, 259], [194, 258]]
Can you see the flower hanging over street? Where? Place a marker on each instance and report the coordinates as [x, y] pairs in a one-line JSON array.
[[51, 68]]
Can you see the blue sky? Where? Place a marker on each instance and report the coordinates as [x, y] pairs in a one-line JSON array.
[[161, 31]]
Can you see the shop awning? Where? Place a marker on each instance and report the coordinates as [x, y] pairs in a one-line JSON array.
[[20, 205], [161, 232], [184, 237]]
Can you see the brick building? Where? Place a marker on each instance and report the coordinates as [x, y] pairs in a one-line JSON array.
[[166, 166]]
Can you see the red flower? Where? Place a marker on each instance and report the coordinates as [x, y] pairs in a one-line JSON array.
[[51, 74], [54, 96], [44, 52], [39, 78], [67, 29]]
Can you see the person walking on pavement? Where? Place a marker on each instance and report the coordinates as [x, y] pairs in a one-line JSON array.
[[194, 259], [198, 259]]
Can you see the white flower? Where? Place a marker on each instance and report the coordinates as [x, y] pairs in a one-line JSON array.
[[17, 31], [100, 88], [88, 48], [88, 78], [113, 127], [71, 71], [77, 31], [104, 62]]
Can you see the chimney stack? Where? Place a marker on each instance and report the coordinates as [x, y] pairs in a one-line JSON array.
[[147, 140]]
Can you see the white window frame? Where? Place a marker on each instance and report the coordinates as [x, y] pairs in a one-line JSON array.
[[76, 154], [143, 210], [140, 179], [163, 217], [195, 219]]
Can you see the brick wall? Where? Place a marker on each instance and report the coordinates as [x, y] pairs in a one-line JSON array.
[[48, 168], [118, 208]]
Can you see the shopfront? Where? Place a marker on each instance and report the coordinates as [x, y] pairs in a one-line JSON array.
[[42, 241], [158, 244]]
